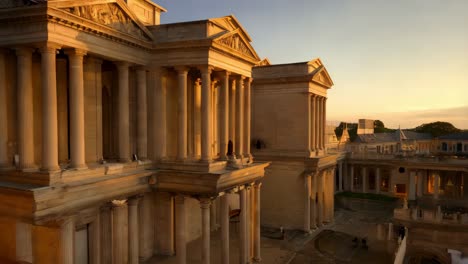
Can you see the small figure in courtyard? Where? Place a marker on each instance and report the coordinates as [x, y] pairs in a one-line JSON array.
[[364, 243], [401, 232], [355, 242]]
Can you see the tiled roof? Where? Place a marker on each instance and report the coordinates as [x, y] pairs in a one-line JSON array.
[[456, 136], [392, 137]]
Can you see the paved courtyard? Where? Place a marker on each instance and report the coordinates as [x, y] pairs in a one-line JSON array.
[[331, 244]]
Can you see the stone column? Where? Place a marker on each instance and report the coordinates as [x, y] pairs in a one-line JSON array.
[[351, 178], [120, 232], [364, 179], [243, 226], [25, 108], [313, 207], [318, 125], [307, 193], [224, 116], [146, 224], [377, 180], [340, 176], [436, 184], [123, 112], [142, 115], [247, 117], [206, 140], [213, 213], [94, 232], [181, 244], [332, 197], [320, 198], [256, 235], [197, 118], [4, 162], [248, 217], [225, 229], [239, 116], [411, 186], [312, 123], [49, 108], [324, 122], [159, 111], [133, 240], [419, 190], [77, 111], [232, 114], [182, 113], [205, 211], [54, 244], [106, 234]]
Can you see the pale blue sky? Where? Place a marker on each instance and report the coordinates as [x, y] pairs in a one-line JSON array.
[[383, 56]]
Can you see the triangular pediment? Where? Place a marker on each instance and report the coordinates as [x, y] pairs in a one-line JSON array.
[[319, 73], [235, 41], [114, 14]]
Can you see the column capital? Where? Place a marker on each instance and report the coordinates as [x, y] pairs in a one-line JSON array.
[[205, 203], [134, 200], [239, 77], [49, 47], [258, 185], [118, 203], [179, 199], [24, 51], [120, 64], [182, 69], [248, 80], [205, 69], [158, 70], [75, 52]]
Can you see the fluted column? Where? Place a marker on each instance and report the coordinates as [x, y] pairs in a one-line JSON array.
[[256, 240], [106, 233], [4, 163], [197, 118], [205, 211], [307, 193], [159, 111], [94, 233], [436, 184], [124, 114], [182, 113], [317, 124], [232, 114], [313, 204], [120, 232], [247, 117], [224, 116], [61, 237], [224, 229], [312, 122], [324, 122], [331, 196], [248, 217], [133, 240], [239, 116], [77, 111], [142, 114], [243, 226], [320, 198], [181, 242], [25, 108], [49, 108], [206, 140]]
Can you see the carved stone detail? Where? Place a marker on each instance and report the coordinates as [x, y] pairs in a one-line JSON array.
[[236, 42], [110, 15]]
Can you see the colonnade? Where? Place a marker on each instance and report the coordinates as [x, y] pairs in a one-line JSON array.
[[49, 126], [317, 123], [198, 116], [249, 244], [319, 198]]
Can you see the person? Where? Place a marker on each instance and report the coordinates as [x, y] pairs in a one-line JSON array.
[[401, 232]]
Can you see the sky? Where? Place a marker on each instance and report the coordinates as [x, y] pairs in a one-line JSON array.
[[404, 62]]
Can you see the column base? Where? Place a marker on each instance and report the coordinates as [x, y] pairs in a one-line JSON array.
[[53, 169], [257, 260], [30, 169], [78, 167]]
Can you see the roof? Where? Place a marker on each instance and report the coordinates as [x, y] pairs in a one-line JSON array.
[[398, 135], [456, 136]]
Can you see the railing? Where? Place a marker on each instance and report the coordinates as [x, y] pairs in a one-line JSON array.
[[412, 158], [431, 216]]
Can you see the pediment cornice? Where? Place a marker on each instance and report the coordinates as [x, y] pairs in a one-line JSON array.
[[235, 42]]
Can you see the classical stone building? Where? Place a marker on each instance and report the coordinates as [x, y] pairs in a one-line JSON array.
[[121, 138], [289, 114]]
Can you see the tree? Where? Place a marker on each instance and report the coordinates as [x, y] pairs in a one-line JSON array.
[[437, 129]]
